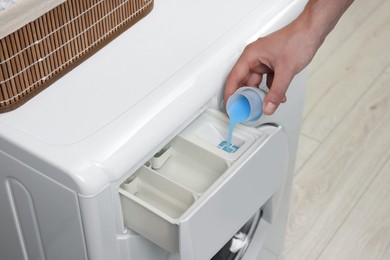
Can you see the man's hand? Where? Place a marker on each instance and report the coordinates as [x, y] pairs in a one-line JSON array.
[[284, 53]]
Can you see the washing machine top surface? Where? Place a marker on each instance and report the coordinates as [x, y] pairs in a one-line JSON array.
[[124, 73], [140, 88]]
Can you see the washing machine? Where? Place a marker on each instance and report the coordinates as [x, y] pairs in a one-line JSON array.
[[120, 158]]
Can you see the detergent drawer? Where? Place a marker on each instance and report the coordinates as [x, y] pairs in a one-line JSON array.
[[192, 196]]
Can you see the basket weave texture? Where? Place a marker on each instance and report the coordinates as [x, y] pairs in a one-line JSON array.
[[40, 52]]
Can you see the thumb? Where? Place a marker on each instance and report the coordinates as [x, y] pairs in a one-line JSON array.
[[277, 92]]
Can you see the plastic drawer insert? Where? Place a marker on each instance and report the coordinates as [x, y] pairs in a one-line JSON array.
[[192, 195]]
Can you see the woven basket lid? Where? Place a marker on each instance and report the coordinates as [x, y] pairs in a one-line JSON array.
[[53, 38]]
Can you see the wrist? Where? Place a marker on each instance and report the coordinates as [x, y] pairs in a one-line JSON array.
[[311, 27], [319, 17]]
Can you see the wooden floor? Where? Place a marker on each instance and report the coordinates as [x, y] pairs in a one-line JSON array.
[[341, 195]]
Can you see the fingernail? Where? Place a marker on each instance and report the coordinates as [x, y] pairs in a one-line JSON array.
[[269, 108]]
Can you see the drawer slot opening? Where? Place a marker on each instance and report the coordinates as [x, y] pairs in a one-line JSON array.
[[169, 194], [156, 196], [155, 191], [189, 165]]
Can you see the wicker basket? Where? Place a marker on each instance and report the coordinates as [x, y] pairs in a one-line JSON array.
[[40, 52]]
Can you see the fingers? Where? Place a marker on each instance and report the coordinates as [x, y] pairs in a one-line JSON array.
[[249, 70], [244, 73], [280, 55], [277, 93], [236, 77], [270, 79], [278, 82], [254, 79]]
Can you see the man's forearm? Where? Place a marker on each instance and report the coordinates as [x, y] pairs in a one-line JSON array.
[[320, 16]]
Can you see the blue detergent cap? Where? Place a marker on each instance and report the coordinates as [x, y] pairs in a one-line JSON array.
[[255, 98]]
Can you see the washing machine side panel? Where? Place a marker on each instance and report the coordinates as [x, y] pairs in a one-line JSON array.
[[100, 225], [40, 218], [10, 247], [229, 208]]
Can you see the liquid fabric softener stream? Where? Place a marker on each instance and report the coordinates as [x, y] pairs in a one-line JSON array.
[[238, 112], [244, 106]]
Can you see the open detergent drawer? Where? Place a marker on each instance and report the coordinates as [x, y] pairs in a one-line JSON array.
[[193, 196]]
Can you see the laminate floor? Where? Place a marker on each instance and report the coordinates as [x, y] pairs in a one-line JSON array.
[[340, 209]]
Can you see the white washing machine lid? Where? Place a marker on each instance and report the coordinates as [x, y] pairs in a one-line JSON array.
[[125, 72], [141, 87]]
